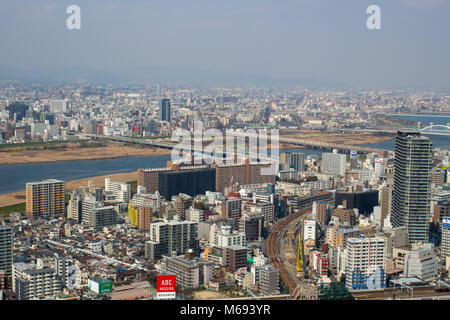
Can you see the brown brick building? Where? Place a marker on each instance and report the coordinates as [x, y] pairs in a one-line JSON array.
[[45, 198]]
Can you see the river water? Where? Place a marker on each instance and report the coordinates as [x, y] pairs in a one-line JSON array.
[[14, 176]]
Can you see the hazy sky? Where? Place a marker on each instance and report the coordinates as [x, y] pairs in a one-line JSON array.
[[312, 41]]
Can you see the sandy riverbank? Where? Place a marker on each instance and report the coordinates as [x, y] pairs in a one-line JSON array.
[[18, 197], [359, 138], [109, 151]]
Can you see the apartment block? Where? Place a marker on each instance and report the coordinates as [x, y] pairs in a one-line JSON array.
[[45, 198]]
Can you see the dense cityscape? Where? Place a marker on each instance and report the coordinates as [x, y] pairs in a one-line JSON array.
[[222, 159], [357, 208]]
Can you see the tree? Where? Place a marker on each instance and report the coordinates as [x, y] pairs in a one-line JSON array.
[[199, 205]]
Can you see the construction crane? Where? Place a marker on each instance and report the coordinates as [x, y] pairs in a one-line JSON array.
[[300, 254]]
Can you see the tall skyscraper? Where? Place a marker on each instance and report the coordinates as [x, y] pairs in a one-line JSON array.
[[6, 249], [164, 110], [45, 198], [411, 196]]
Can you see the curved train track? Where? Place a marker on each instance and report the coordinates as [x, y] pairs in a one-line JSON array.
[[273, 250]]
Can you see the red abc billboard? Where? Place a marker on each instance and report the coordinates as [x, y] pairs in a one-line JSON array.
[[165, 283]]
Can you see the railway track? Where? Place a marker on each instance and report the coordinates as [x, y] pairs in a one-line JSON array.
[[389, 293], [273, 249]]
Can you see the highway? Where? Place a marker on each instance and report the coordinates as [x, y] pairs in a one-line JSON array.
[[301, 142]]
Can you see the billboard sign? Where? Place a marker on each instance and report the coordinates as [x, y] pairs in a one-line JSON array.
[[353, 154], [446, 222], [166, 286]]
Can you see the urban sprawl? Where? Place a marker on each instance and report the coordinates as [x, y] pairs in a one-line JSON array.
[[340, 218]]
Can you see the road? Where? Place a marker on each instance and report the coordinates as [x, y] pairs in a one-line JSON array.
[[97, 255]]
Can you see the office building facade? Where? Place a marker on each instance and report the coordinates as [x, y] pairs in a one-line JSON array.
[[164, 110], [411, 196], [6, 249]]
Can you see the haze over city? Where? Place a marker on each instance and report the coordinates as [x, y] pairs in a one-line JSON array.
[[321, 44], [224, 152]]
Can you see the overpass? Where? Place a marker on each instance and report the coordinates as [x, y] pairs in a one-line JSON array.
[[431, 129], [324, 146]]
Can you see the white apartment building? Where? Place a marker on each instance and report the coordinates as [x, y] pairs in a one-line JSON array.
[[121, 190], [196, 215], [309, 230], [421, 263], [365, 263], [147, 200], [226, 238], [37, 284], [445, 238], [334, 163]]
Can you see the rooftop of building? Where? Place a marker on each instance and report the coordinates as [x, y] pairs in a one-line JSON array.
[[45, 181]]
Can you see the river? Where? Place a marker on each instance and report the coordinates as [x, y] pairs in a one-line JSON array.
[[426, 120], [13, 177]]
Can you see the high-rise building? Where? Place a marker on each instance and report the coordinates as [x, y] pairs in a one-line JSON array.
[[17, 110], [334, 163], [74, 208], [321, 212], [235, 257], [95, 215], [164, 110], [59, 105], [45, 198], [295, 160], [445, 240], [421, 263], [385, 202], [252, 224], [365, 263], [6, 249], [120, 190], [441, 209], [363, 201], [242, 174], [194, 180], [231, 208], [36, 284], [191, 272], [68, 271], [309, 230], [171, 238], [182, 204], [268, 280], [411, 196]]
